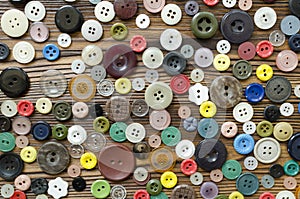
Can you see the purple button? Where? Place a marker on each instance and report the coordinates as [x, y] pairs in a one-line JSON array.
[[209, 190], [191, 7]]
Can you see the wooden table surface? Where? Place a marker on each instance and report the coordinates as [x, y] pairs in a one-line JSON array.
[[152, 34]]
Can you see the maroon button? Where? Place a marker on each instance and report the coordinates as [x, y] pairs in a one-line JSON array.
[[138, 43], [188, 166], [264, 49], [116, 162], [211, 2], [246, 50], [125, 9], [39, 32], [119, 60], [25, 108], [141, 194], [180, 84]]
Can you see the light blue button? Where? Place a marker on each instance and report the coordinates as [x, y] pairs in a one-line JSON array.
[[290, 25], [190, 124], [243, 144], [51, 52], [208, 128]]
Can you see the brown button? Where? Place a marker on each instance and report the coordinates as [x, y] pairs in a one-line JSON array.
[[162, 159], [82, 88], [290, 183], [22, 141], [216, 175], [125, 9], [183, 191], [184, 112], [154, 141], [22, 182], [39, 32], [74, 171], [160, 119], [21, 125], [116, 162], [118, 108]]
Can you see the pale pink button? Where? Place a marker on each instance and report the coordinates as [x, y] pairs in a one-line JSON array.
[[290, 183], [154, 141], [245, 4], [184, 112], [286, 60], [80, 109], [39, 32], [21, 125], [216, 175], [22, 141], [74, 171], [22, 182], [160, 119], [229, 129]]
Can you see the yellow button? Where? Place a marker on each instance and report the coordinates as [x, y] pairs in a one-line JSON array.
[[264, 72], [123, 85], [283, 131], [101, 124], [236, 195], [88, 160], [221, 62], [208, 109], [28, 154], [43, 105], [168, 179]]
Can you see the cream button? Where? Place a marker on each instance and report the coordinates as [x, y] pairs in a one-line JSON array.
[[43, 105], [9, 108], [104, 11], [14, 23], [23, 52], [35, 11], [92, 55], [64, 40], [153, 57]]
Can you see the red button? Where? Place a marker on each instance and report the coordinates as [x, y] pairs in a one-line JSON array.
[[138, 43], [246, 50], [211, 2], [267, 195], [141, 194], [264, 49], [18, 195], [180, 84], [188, 166], [25, 108]]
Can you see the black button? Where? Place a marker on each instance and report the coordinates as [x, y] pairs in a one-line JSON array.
[[5, 124], [276, 171], [174, 63], [79, 184], [96, 110], [16, 2], [294, 42], [271, 113], [68, 19], [294, 146], [41, 130], [141, 150], [237, 26], [11, 166], [14, 82], [4, 51], [210, 154], [294, 7], [278, 89], [39, 186]]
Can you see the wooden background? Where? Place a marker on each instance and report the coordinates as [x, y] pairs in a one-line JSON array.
[[152, 34]]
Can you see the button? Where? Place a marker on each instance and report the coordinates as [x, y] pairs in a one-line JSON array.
[[250, 163], [285, 194], [76, 150], [267, 181], [170, 39], [141, 194], [39, 32], [265, 18], [79, 184], [183, 190], [4, 51], [242, 69], [290, 183], [204, 25], [141, 150], [59, 132], [22, 141], [104, 11], [286, 60], [28, 155], [162, 195], [22, 182], [9, 108], [62, 111], [7, 142], [138, 43], [291, 168], [278, 89], [35, 11], [92, 55], [142, 21], [209, 190], [139, 108], [80, 110], [168, 179], [294, 7], [254, 92], [297, 91], [174, 64], [190, 124], [123, 85], [82, 88], [78, 66], [231, 169], [289, 25], [7, 190], [53, 83], [151, 76], [162, 159], [208, 128], [68, 19], [245, 5], [216, 175], [229, 129], [198, 93], [135, 132], [125, 9], [264, 128], [41, 130], [98, 73], [294, 42], [11, 166], [247, 50], [64, 40], [23, 52], [276, 171], [293, 144], [185, 149], [247, 184], [243, 112], [158, 95], [264, 49], [100, 189], [43, 105], [229, 4], [116, 162], [14, 23], [223, 46], [18, 195], [210, 154], [118, 108], [211, 2], [221, 62], [141, 175], [124, 62], [196, 178], [25, 108], [153, 57], [154, 141], [187, 51], [95, 110], [277, 38], [117, 131], [233, 26], [105, 88], [264, 72], [243, 144], [170, 136], [91, 30], [188, 166], [101, 124], [21, 125], [191, 8], [58, 188], [154, 6], [234, 194], [184, 112], [95, 142], [297, 192], [271, 113], [53, 157], [119, 31], [88, 160], [267, 150], [76, 134], [171, 14], [154, 187], [283, 131]]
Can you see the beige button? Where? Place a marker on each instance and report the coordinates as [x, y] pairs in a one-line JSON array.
[[160, 119], [92, 55], [290, 183], [23, 52], [283, 131], [80, 109], [14, 23], [74, 171], [39, 32], [82, 88], [9, 108], [22, 141], [43, 105], [245, 4], [21, 125], [154, 141], [216, 175], [184, 112]]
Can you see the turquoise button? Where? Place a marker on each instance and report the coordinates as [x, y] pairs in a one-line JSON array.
[[231, 169], [162, 195], [208, 128], [171, 136], [291, 168], [247, 184], [7, 142], [117, 131]]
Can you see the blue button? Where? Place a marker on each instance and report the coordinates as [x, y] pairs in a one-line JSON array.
[[41, 130], [243, 144], [190, 124], [208, 128], [254, 92], [51, 52], [299, 107], [294, 42]]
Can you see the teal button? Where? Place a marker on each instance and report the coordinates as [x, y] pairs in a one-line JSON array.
[[100, 189], [291, 168], [247, 184], [162, 195], [117, 131], [231, 169], [208, 128], [7, 142], [154, 187], [171, 136]]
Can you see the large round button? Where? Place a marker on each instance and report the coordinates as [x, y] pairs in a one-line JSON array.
[[267, 150], [293, 148], [204, 25], [82, 88], [287, 60], [104, 11], [14, 23], [68, 19], [125, 9], [278, 89], [11, 166], [162, 159]]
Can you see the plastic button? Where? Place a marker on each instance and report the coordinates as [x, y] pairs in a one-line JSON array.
[[154, 141], [105, 88], [98, 72], [76, 134], [216, 175], [22, 141], [135, 132], [171, 39], [228, 3], [286, 109], [264, 49], [117, 131], [277, 38], [154, 187], [285, 194], [290, 183], [264, 128], [267, 181], [5, 124], [23, 52], [138, 43], [43, 105], [142, 21], [80, 110], [11, 166], [123, 85], [21, 125], [92, 55], [271, 113], [14, 23], [243, 112], [22, 182], [95, 142], [62, 111], [53, 83], [247, 50], [88, 160], [276, 171], [187, 51], [79, 184], [162, 159], [141, 194], [168, 179], [125, 9], [25, 108], [104, 11], [231, 169], [183, 190], [119, 31], [141, 150], [179, 83], [196, 178], [59, 131], [158, 95], [291, 168], [234, 195], [68, 19], [76, 151], [7, 190], [82, 88], [267, 150], [184, 112], [229, 129], [247, 184], [254, 92], [39, 186], [242, 69], [250, 163], [294, 42], [118, 192], [283, 131], [151, 76], [64, 40], [265, 18], [7, 142], [278, 89], [39, 32], [41, 130], [198, 93], [91, 30], [139, 108], [287, 60], [245, 5], [154, 6], [9, 108], [118, 108], [204, 25], [289, 25], [185, 149], [152, 57], [28, 155], [18, 195], [141, 176], [208, 128], [243, 144], [293, 150], [209, 190], [171, 14], [138, 84], [58, 188], [208, 109], [191, 8], [221, 62], [35, 11]]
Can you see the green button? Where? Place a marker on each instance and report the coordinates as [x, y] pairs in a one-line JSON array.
[[171, 136], [242, 69], [291, 168], [204, 25], [231, 169], [119, 31], [62, 111], [59, 131], [101, 124], [100, 189], [247, 184], [7, 142], [154, 187], [162, 195], [117, 131], [264, 129], [221, 197]]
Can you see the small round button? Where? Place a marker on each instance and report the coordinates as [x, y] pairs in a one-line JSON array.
[[231, 169], [223, 46], [170, 39], [221, 62], [294, 42], [80, 110], [264, 49], [88, 160], [245, 4], [242, 69], [289, 25], [277, 38], [264, 72], [119, 31], [243, 112], [254, 92], [158, 95], [271, 113], [247, 50], [82, 88], [22, 141], [39, 32], [267, 181], [229, 129], [43, 105], [8, 142], [286, 109], [138, 43], [28, 155], [154, 6], [287, 60], [95, 142], [243, 144], [62, 111], [187, 51], [22, 182], [292, 146], [142, 21], [203, 57], [123, 85], [168, 179], [64, 40], [76, 134], [191, 8], [5, 124], [104, 11], [41, 130], [53, 83], [209, 190], [247, 184], [264, 128], [196, 178], [188, 166], [59, 132], [35, 11], [125, 9], [79, 184], [250, 163], [25, 108]]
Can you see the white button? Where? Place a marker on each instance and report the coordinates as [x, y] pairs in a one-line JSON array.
[[58, 188], [187, 51], [14, 23], [76, 134], [138, 84], [185, 149], [98, 73], [140, 174], [267, 150], [135, 132], [43, 105], [297, 91], [142, 21], [7, 190], [35, 11], [249, 127], [198, 93], [286, 109], [285, 195], [265, 18], [80, 110], [153, 57], [64, 40], [197, 75], [170, 39], [105, 88], [91, 30], [41, 196], [171, 14], [250, 163], [228, 3], [196, 178], [223, 46], [70, 1], [9, 108], [243, 112], [151, 76], [78, 66], [92, 55], [203, 57], [104, 11], [23, 52]]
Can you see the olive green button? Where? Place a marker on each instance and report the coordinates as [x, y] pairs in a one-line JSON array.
[[264, 128], [171, 136], [154, 187], [221, 197], [119, 31], [7, 142], [100, 189], [59, 131], [101, 124], [242, 69], [62, 111], [117, 131], [204, 25], [231, 169], [162, 195], [291, 168]]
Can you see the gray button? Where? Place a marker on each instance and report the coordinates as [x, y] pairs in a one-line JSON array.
[[277, 38], [187, 51], [278, 89], [174, 63], [98, 73], [267, 181], [242, 69], [139, 108], [290, 25], [191, 7], [151, 76], [190, 124]]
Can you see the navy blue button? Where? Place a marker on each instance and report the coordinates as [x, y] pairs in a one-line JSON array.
[[208, 128], [294, 146], [294, 42], [41, 130], [51, 52], [243, 144], [254, 92]]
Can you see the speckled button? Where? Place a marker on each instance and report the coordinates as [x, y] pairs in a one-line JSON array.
[[62, 111], [118, 108], [170, 39], [216, 175], [39, 186], [92, 55], [104, 11], [204, 25], [203, 57], [68, 19], [267, 150], [14, 23], [53, 83], [286, 60], [183, 191], [265, 18], [242, 69], [278, 89], [82, 88], [277, 38], [125, 9], [162, 159], [39, 32], [11, 166], [158, 95]]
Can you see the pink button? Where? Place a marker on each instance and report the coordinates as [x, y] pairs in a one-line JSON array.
[[80, 109], [184, 112], [74, 171], [180, 84], [154, 141], [154, 6], [287, 60], [247, 50], [229, 129], [138, 43], [22, 182], [264, 49], [160, 119], [39, 32], [216, 175], [188, 166], [290, 183]]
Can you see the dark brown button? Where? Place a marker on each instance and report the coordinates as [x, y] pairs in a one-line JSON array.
[[125, 9], [118, 108], [116, 162], [162, 159], [183, 191]]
